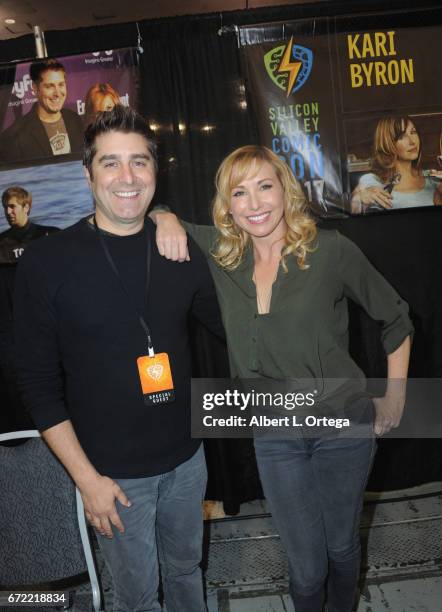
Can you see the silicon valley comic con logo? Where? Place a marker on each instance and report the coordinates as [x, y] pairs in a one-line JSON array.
[[289, 66]]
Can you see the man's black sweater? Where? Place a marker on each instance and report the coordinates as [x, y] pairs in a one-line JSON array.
[[78, 338]]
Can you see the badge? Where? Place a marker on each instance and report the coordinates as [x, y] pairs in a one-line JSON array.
[[156, 379]]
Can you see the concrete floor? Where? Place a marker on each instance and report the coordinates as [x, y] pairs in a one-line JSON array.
[[246, 571], [420, 595], [402, 548]]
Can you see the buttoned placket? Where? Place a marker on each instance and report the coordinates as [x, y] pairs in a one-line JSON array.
[[255, 326]]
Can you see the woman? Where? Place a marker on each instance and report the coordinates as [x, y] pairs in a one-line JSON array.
[[99, 98], [397, 179], [282, 286]]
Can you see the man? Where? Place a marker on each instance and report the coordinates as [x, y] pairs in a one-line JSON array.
[[99, 316], [47, 129], [17, 204]]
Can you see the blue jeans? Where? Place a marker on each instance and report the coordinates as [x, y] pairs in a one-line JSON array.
[[165, 525], [315, 487]]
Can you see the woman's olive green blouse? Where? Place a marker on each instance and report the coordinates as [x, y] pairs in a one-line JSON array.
[[305, 334]]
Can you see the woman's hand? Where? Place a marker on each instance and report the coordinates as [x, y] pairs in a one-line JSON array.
[[389, 410], [364, 197], [171, 237]]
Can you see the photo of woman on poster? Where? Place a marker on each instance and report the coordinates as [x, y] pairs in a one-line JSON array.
[[397, 179], [100, 97]]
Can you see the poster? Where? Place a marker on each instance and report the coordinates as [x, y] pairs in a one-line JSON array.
[[50, 102], [45, 111], [353, 105], [289, 85], [390, 100]]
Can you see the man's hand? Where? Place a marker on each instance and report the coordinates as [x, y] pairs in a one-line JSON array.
[[171, 237], [389, 409], [99, 497], [98, 492]]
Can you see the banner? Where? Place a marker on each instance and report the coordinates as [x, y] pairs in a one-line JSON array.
[[51, 101], [391, 111], [289, 84], [45, 111], [353, 105], [60, 193]]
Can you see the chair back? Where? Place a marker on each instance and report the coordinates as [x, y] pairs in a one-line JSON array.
[[39, 535]]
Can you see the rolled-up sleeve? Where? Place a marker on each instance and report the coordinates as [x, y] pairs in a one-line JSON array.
[[204, 235], [39, 369], [366, 286]]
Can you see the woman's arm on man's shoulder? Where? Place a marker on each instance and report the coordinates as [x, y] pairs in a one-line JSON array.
[[171, 235]]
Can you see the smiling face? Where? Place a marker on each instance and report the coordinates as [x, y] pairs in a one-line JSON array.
[[408, 143], [16, 214], [122, 180], [257, 203], [50, 91]]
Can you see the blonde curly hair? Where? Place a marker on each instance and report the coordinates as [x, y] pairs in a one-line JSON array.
[[232, 242]]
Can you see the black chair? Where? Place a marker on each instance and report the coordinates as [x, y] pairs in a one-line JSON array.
[[43, 533]]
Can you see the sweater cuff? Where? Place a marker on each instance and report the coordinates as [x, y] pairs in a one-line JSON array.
[[49, 415]]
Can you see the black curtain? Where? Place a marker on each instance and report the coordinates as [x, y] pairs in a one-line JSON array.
[[405, 246], [192, 88]]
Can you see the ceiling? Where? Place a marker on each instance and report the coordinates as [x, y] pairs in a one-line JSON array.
[[69, 14]]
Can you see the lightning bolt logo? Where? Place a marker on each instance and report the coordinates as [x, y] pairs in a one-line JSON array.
[[292, 68], [289, 66]]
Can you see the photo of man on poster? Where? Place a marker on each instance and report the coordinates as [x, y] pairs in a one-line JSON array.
[[16, 204], [47, 129]]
